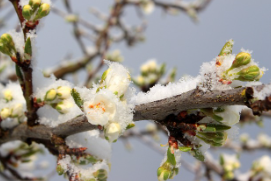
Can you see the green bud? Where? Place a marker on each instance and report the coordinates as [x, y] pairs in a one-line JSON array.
[[27, 12], [4, 49], [35, 4], [251, 73], [159, 171], [50, 95], [227, 48], [63, 107], [43, 11], [59, 170], [7, 45], [241, 59], [163, 174], [100, 174]]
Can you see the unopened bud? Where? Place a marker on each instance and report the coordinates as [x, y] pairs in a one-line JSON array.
[[27, 12], [50, 95], [8, 95], [63, 92], [112, 131], [163, 174], [71, 18], [5, 113], [242, 58], [251, 73], [7, 45], [43, 11], [35, 4], [59, 170], [64, 107], [100, 174], [17, 110]]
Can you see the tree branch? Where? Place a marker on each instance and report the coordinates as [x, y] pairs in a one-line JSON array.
[[157, 111]]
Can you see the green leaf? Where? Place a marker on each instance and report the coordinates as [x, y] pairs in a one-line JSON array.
[[198, 155], [162, 69], [28, 49], [19, 74], [221, 160], [170, 157], [185, 149], [227, 48], [77, 99], [131, 125]]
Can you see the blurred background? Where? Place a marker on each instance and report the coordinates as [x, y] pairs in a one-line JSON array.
[[177, 40]]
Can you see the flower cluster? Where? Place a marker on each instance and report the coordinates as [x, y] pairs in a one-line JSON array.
[[97, 154], [229, 164], [261, 168], [54, 99], [114, 56], [34, 11], [12, 105], [22, 157], [170, 165], [107, 105], [150, 73]]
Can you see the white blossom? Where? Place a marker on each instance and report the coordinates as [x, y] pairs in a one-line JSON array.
[[116, 79], [100, 109]]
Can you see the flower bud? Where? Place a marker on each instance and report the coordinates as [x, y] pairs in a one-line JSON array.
[[59, 170], [112, 131], [114, 56], [50, 95], [71, 18], [17, 110], [163, 174], [101, 174], [8, 95], [27, 12], [5, 113], [4, 49], [251, 73], [242, 58], [150, 66], [63, 92], [7, 45], [147, 6], [63, 107], [43, 11], [35, 4], [140, 80]]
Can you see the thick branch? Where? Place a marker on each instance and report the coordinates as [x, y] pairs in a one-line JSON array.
[[157, 110]]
